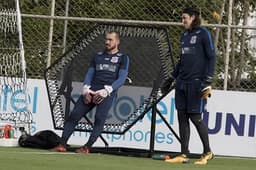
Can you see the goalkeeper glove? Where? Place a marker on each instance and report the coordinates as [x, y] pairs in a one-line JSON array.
[[206, 88], [87, 93], [101, 94]]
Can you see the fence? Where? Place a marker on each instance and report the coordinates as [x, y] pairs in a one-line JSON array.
[[51, 27]]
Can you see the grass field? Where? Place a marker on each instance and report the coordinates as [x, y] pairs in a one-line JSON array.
[[12, 158]]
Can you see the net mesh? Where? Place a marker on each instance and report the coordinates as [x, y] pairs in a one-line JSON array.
[[11, 68], [64, 78], [13, 82]]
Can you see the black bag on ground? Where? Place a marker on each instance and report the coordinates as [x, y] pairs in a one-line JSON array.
[[45, 139]]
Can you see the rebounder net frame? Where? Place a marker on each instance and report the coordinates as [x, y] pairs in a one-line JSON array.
[[13, 80], [64, 75]]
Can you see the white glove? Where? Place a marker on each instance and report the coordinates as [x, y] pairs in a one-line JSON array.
[[101, 94], [86, 89], [87, 93], [206, 92], [109, 89]]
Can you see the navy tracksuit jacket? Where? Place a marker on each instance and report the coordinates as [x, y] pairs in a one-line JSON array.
[[196, 64]]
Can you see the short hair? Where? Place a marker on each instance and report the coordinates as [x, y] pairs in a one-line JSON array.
[[115, 32], [193, 11]]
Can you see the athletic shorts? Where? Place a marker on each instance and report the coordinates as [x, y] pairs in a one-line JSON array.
[[188, 96]]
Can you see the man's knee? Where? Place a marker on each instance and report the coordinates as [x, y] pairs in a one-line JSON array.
[[196, 119], [73, 117]]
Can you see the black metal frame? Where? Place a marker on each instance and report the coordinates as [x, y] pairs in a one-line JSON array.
[[66, 89], [142, 152]]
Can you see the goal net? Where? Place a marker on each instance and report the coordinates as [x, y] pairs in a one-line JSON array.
[[13, 81], [149, 51]]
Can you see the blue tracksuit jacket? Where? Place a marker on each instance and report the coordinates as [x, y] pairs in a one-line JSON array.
[[197, 59]]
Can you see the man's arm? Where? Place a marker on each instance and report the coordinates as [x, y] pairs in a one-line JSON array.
[[90, 73], [210, 52], [87, 92], [89, 76], [122, 74]]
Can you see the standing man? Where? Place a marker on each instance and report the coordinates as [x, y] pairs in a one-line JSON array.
[[107, 72], [193, 74]]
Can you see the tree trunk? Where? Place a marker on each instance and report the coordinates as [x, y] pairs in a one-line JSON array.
[[242, 60], [216, 39], [232, 53]]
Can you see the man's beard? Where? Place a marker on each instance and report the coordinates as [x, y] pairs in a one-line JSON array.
[[108, 49]]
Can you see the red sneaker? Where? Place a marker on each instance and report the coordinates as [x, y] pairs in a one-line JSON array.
[[84, 150], [59, 148]]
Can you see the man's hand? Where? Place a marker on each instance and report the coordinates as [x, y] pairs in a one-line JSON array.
[[206, 92], [87, 98], [87, 93], [166, 85], [100, 95], [206, 88]]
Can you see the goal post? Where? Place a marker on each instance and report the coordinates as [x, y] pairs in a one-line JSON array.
[[13, 79]]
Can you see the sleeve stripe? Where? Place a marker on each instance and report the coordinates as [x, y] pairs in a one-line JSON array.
[[210, 38], [127, 63]]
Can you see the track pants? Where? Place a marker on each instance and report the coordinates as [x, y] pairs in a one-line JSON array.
[[80, 110]]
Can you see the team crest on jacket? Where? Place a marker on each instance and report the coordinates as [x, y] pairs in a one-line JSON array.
[[114, 59], [193, 39]]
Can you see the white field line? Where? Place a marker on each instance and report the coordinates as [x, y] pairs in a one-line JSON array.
[[73, 153], [227, 157], [39, 153]]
